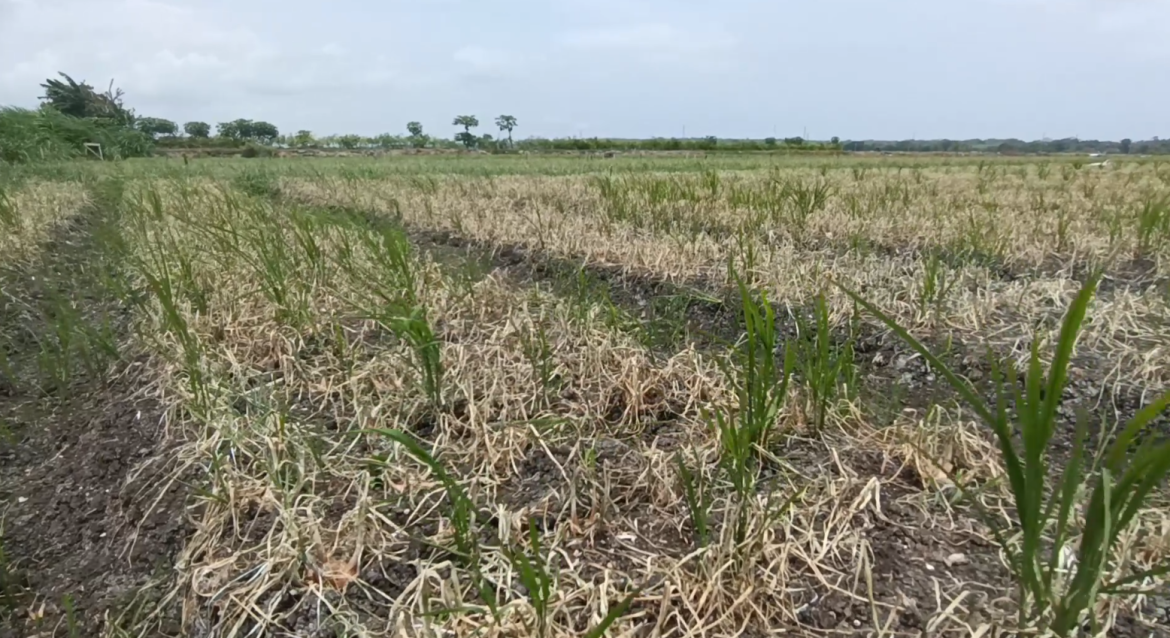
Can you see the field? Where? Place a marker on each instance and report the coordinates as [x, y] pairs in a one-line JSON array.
[[562, 396]]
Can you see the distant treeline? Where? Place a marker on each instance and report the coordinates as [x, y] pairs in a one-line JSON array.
[[77, 120], [796, 144], [1013, 146], [792, 144], [705, 144]]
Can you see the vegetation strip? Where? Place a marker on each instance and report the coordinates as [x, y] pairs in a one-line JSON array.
[[391, 425]]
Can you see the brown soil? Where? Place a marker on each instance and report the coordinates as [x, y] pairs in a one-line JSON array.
[[78, 529], [88, 515]]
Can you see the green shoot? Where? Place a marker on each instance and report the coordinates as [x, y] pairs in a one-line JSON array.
[[615, 612], [532, 568], [761, 389], [1046, 597], [1153, 224], [825, 365], [936, 284], [698, 499], [416, 330], [537, 350], [462, 515], [806, 199], [73, 628]]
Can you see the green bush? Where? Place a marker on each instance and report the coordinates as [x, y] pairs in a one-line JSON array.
[[45, 135], [256, 150]]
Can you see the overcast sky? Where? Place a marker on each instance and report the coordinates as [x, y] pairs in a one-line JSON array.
[[627, 68]]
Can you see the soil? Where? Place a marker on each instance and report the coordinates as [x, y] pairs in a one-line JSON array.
[[77, 531], [88, 521]]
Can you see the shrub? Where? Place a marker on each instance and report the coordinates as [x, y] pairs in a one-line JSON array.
[[46, 135]]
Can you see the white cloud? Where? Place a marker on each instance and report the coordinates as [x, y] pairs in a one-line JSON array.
[[653, 37], [169, 56], [626, 67], [154, 47], [484, 60]]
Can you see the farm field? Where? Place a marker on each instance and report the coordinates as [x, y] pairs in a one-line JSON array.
[[565, 396]]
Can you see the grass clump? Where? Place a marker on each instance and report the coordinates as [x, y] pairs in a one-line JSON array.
[[1118, 483], [825, 365]]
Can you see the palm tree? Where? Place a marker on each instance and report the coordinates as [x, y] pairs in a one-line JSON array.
[[506, 123], [68, 96], [79, 99]]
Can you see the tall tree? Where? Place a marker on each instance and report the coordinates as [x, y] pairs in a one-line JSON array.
[[244, 130], [156, 126], [506, 123], [197, 129], [236, 129], [418, 139], [468, 122], [264, 132], [303, 139], [1125, 144]]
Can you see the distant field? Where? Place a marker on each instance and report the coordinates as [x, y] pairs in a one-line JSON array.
[[222, 383]]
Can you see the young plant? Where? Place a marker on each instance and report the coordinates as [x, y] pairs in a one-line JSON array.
[[615, 612], [275, 264], [936, 284], [761, 389], [462, 513], [532, 568], [1119, 482], [615, 196], [1153, 224], [307, 232], [395, 281], [257, 183], [698, 499], [415, 329], [827, 367], [539, 353], [806, 199], [1063, 226], [711, 182], [160, 282]]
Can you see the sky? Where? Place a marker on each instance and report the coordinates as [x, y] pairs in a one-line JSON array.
[[856, 69]]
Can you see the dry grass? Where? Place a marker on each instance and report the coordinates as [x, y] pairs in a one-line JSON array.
[[274, 322], [30, 212], [990, 256]]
